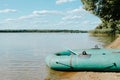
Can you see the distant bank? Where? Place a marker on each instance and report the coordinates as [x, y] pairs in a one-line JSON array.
[[43, 31]]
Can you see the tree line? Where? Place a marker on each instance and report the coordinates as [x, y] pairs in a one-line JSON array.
[[43, 31]]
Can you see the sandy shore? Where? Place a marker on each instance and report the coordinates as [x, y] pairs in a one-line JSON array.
[[88, 75], [115, 44]]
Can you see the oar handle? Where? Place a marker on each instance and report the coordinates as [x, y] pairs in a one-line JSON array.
[[73, 52]]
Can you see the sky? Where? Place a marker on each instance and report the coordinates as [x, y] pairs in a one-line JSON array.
[[46, 14]]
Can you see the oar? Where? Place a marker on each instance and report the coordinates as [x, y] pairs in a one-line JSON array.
[[73, 52]]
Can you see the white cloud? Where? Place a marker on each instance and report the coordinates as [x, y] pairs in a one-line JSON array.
[[19, 18], [36, 14], [26, 17], [44, 12], [8, 11], [79, 10], [86, 22], [41, 13], [63, 1], [71, 17], [74, 14], [66, 15], [9, 19], [53, 19], [65, 23]]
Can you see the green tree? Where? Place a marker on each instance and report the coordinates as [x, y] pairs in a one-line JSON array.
[[107, 10]]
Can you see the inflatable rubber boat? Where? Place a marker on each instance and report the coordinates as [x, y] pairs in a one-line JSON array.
[[85, 60]]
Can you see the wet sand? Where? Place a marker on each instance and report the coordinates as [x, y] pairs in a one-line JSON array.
[[60, 75]]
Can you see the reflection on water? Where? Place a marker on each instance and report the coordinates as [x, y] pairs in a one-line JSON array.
[[106, 39], [22, 55], [19, 69]]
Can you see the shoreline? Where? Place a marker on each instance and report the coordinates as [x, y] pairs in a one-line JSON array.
[[115, 43], [84, 75], [42, 31]]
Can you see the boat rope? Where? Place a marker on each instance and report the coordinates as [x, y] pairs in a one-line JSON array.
[[64, 64], [113, 65]]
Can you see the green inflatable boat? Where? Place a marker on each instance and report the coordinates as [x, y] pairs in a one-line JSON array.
[[85, 60]]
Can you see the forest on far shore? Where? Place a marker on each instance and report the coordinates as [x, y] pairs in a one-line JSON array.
[[43, 31]]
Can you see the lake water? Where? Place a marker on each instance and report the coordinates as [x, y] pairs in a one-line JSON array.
[[22, 55]]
